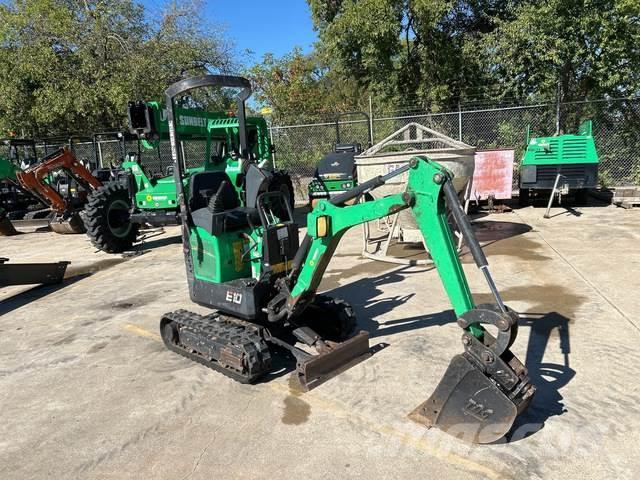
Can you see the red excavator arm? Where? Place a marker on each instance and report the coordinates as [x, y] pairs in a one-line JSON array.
[[33, 179]]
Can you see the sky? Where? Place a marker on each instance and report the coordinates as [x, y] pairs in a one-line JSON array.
[[265, 26]]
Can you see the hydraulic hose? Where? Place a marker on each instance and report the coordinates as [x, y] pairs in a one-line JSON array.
[[368, 185]]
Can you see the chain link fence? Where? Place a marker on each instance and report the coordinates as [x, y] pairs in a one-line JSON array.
[[616, 129], [299, 148], [109, 151]]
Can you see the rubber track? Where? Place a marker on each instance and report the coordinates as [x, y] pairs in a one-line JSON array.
[[224, 332]]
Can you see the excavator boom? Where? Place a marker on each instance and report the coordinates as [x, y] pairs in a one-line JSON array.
[[486, 387], [33, 180]]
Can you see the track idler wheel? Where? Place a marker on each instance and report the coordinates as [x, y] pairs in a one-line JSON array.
[[485, 388]]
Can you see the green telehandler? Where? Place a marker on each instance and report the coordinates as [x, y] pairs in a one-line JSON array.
[[115, 211], [243, 259]]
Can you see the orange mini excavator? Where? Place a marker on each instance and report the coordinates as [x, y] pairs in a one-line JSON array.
[[63, 183]]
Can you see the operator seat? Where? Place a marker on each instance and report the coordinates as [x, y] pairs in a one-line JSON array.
[[215, 206]]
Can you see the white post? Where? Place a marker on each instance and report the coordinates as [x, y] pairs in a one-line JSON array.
[[371, 121], [459, 122], [100, 160]]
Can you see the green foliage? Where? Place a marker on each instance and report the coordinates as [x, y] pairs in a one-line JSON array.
[[437, 53], [69, 66], [588, 48], [409, 52], [297, 85]]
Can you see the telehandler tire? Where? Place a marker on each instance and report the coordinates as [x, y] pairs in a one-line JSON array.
[[107, 218]]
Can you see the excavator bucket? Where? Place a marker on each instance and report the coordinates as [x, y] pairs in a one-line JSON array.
[[72, 224], [469, 405], [31, 273], [6, 227], [485, 388]]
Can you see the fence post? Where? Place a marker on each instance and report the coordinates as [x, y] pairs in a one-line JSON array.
[[99, 161], [373, 141], [459, 121], [273, 148], [558, 109]]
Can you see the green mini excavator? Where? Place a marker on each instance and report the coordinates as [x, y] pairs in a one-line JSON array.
[[244, 259]]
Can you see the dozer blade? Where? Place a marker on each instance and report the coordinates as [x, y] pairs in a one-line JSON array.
[[31, 273], [469, 405], [342, 356]]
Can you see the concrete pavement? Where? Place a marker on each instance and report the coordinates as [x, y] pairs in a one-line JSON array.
[[87, 389]]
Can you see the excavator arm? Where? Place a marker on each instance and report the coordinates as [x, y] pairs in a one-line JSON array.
[[486, 387], [330, 220], [33, 179]]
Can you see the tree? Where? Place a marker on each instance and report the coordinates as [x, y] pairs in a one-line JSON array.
[[437, 53], [69, 66], [408, 51], [587, 48], [298, 85]]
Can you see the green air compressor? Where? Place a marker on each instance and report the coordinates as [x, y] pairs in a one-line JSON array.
[[572, 156]]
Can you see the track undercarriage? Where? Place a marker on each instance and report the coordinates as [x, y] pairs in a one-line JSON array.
[[241, 350]]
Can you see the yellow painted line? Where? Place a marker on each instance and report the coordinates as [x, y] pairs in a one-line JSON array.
[[341, 411], [142, 332]]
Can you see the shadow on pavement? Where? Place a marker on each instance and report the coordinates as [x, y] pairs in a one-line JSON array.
[[549, 378], [35, 293], [160, 242]]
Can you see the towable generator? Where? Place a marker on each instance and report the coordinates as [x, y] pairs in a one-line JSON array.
[[244, 260], [569, 161]]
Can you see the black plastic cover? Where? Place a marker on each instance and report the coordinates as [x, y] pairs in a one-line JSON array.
[[241, 298], [337, 166]]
